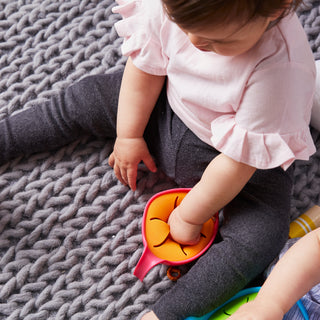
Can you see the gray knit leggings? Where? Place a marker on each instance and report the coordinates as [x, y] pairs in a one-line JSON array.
[[256, 224]]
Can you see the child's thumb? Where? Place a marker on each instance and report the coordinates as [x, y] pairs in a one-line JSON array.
[[149, 162]]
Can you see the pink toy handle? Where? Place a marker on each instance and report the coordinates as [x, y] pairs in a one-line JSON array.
[[147, 261]]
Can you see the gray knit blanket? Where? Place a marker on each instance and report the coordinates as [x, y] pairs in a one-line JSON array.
[[70, 233]]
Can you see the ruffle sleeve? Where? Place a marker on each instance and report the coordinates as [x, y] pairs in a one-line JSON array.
[[260, 150], [270, 128], [140, 29]]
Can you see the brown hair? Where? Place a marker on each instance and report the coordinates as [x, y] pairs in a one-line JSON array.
[[192, 14]]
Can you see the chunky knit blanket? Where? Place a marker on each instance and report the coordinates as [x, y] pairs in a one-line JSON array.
[[70, 234]]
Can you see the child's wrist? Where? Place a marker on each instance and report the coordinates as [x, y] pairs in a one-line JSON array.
[[179, 214], [270, 307], [129, 136]]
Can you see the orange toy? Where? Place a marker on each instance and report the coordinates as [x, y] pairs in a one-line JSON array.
[[159, 247]]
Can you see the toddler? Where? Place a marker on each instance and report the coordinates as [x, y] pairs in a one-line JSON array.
[[217, 94], [293, 276]]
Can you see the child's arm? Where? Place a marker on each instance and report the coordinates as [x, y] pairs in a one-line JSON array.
[[138, 95], [222, 180], [292, 277]]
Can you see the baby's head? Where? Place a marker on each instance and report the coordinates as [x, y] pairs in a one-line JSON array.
[[227, 27]]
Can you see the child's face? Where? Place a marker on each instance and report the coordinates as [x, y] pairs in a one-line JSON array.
[[230, 40]]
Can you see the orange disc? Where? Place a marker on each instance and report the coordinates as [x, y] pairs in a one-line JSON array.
[[157, 231]]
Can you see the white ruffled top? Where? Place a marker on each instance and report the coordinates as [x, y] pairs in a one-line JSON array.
[[255, 107]]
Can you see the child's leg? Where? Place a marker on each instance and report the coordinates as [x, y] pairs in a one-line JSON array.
[[87, 107], [255, 230]]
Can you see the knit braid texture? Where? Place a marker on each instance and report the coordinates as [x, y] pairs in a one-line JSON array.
[[70, 233]]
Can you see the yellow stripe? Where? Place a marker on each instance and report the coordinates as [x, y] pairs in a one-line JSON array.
[[301, 226], [306, 219]]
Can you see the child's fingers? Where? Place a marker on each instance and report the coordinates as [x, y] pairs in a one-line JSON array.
[[119, 174], [111, 160], [149, 162], [132, 177], [126, 175]]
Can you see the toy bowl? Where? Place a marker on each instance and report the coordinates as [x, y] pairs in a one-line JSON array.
[[159, 247]]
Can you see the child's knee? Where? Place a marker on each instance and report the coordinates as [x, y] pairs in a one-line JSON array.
[[92, 104]]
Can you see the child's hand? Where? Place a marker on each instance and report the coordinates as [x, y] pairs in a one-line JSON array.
[[183, 231], [127, 154]]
